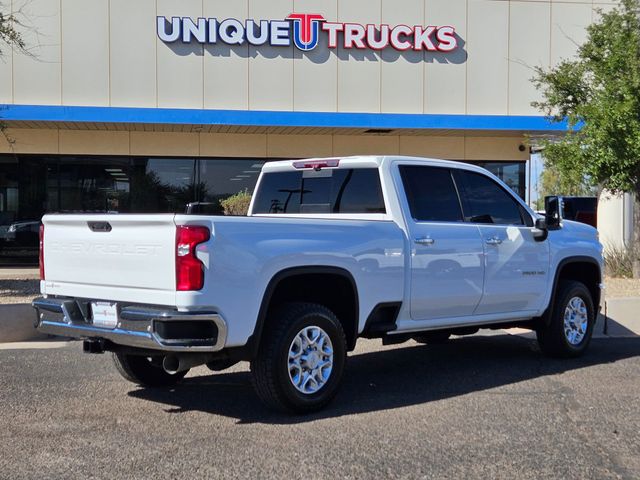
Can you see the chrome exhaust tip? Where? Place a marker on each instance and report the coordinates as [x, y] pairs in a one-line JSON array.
[[173, 364]]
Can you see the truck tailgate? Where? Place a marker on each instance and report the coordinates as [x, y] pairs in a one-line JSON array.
[[117, 257]]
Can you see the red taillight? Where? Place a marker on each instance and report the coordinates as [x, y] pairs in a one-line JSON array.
[[189, 270], [318, 164], [41, 252]]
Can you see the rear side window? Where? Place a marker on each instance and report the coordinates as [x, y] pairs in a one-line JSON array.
[[485, 201], [431, 194], [356, 190]]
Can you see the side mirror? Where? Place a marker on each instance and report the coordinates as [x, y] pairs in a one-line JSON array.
[[553, 215], [540, 230]]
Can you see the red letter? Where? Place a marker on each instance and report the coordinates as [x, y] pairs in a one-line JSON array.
[[447, 39]]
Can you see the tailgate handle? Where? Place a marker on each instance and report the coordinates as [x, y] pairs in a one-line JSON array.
[[99, 226]]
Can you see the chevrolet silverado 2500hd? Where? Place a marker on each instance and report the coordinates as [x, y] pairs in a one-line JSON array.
[[332, 250]]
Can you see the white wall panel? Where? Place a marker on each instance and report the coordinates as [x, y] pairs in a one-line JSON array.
[[270, 68], [445, 77], [101, 52], [529, 37], [180, 66], [37, 77], [402, 73], [85, 52], [6, 75], [358, 70], [314, 73], [568, 24], [487, 65], [226, 68], [133, 53]]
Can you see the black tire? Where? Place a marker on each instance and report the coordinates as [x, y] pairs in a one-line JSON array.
[[432, 338], [145, 371], [552, 338], [270, 369]]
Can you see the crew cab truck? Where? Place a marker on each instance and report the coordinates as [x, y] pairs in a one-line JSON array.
[[332, 250]]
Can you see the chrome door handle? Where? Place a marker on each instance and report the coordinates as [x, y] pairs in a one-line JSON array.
[[494, 241], [425, 241]]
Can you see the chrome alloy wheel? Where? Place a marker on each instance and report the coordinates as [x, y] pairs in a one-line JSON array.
[[576, 320], [310, 360]]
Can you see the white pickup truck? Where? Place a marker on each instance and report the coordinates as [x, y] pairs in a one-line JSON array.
[[333, 250]]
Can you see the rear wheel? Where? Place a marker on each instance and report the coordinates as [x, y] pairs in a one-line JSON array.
[[301, 359], [145, 371], [572, 320]]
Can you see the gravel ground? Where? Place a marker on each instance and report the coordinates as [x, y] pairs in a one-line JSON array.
[[18, 291], [23, 291], [622, 287]]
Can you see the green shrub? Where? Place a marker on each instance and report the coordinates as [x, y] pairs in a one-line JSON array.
[[238, 204], [619, 261]]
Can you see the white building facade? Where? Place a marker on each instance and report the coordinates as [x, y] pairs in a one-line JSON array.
[[148, 105]]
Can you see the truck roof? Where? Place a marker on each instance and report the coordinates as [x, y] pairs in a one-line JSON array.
[[364, 161]]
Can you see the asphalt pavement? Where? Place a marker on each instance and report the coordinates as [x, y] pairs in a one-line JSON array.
[[478, 407]]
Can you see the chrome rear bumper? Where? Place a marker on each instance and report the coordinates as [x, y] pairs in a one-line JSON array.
[[138, 326]]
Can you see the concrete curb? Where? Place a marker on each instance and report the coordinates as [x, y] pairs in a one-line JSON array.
[[16, 323], [622, 317]]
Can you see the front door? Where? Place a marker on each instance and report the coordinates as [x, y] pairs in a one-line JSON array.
[[447, 265], [516, 264]]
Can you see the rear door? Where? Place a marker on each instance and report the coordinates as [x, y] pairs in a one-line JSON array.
[[516, 264], [446, 253]]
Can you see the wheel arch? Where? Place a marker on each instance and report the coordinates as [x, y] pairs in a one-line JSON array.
[[337, 289], [586, 270]]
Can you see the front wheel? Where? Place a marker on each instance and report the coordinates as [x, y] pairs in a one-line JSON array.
[[301, 358], [572, 320], [145, 371]]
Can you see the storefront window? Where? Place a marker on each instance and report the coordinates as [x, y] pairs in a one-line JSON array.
[[162, 185], [511, 173], [31, 186], [221, 178], [22, 201], [94, 184]]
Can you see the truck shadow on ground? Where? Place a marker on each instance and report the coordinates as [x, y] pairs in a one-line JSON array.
[[399, 377]]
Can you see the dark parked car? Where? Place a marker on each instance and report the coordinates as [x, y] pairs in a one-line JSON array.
[[580, 209], [19, 242]]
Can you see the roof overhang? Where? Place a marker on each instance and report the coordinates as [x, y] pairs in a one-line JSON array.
[[244, 121]]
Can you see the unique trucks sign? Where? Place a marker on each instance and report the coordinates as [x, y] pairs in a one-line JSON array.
[[304, 30]]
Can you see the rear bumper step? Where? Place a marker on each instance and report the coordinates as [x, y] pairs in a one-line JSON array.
[[138, 326]]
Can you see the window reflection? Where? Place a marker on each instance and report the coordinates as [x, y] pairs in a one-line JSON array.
[[221, 178], [511, 173], [161, 185], [92, 184], [32, 185]]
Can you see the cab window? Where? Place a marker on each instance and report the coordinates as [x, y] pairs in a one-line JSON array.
[[431, 194], [485, 201]]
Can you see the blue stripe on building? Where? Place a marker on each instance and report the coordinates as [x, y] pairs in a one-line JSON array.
[[54, 113]]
